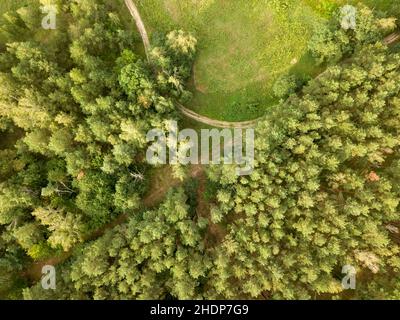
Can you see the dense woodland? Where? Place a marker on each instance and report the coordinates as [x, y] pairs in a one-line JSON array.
[[75, 106]]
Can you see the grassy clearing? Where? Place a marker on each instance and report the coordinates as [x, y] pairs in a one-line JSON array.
[[244, 45]]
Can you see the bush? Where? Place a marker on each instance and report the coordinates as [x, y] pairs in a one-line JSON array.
[[41, 250], [285, 86]]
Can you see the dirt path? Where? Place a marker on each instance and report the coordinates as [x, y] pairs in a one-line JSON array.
[[215, 123], [140, 25]]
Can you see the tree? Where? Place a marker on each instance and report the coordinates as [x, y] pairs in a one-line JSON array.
[[66, 228], [154, 254], [285, 85], [84, 102], [332, 42], [324, 166]]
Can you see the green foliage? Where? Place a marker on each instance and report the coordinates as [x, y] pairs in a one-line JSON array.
[[173, 58], [156, 253], [66, 228], [285, 86], [65, 289], [383, 287], [84, 101], [40, 251], [330, 43], [322, 190]]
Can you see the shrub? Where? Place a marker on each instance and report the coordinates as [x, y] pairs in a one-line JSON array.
[[285, 86]]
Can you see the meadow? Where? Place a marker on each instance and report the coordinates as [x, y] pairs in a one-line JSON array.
[[241, 53]]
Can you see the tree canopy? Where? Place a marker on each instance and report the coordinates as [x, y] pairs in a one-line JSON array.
[[76, 104], [84, 99]]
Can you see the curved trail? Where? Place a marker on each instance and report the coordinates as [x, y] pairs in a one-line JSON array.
[[187, 112], [140, 26], [394, 37]]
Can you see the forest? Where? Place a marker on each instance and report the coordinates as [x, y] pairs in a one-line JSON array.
[[78, 194]]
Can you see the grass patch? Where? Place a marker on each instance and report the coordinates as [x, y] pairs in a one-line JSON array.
[[244, 46]]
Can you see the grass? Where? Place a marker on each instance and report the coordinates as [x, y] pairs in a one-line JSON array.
[[244, 45]]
